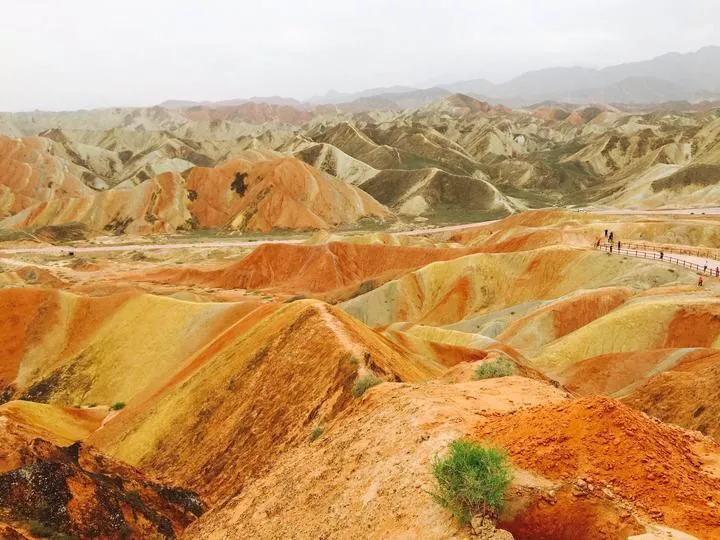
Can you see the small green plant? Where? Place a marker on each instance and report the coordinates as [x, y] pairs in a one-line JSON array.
[[118, 405], [92, 405], [364, 383], [316, 433], [500, 367], [471, 480]]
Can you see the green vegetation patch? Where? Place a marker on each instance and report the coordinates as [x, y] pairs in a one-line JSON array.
[[500, 367], [471, 480], [316, 433], [364, 383]]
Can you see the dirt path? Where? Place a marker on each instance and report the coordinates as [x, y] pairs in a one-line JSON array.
[[339, 330], [64, 250], [711, 211], [697, 264]]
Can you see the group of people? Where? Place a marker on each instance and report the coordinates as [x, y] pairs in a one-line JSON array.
[[609, 237]]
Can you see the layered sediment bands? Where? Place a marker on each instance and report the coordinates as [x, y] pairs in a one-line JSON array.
[[280, 194], [448, 292], [349, 268], [251, 395], [260, 192]]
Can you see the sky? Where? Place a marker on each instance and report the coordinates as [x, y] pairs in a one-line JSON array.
[[75, 54]]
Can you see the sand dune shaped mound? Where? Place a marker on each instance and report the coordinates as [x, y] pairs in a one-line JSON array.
[[51, 486], [311, 269], [73, 350], [602, 450], [255, 392], [30, 174], [354, 142], [264, 194], [687, 394], [678, 386], [368, 474], [640, 325], [443, 293], [557, 319], [158, 205], [335, 162]]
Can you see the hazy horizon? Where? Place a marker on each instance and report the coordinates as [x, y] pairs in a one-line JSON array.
[[84, 54]]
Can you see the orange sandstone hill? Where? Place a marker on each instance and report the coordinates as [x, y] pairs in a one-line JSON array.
[[29, 174], [38, 189], [282, 193], [334, 270]]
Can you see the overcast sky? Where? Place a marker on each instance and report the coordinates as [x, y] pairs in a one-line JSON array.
[[70, 54]]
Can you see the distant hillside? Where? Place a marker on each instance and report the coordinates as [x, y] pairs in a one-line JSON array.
[[668, 77], [671, 77]]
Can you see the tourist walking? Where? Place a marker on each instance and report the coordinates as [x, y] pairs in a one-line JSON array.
[[700, 281]]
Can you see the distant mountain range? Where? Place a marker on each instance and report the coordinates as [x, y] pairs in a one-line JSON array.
[[671, 77]]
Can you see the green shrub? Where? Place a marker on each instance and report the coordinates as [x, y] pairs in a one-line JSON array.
[[471, 480], [316, 433], [500, 367], [118, 406], [364, 383]]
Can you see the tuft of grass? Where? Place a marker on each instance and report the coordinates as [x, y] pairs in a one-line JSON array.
[[500, 367], [471, 480], [363, 384], [316, 433], [118, 405]]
